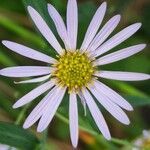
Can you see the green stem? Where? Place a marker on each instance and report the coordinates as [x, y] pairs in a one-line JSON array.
[[20, 31], [20, 118], [114, 140], [21, 115]]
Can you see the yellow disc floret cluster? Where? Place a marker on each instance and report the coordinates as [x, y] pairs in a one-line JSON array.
[[74, 70]]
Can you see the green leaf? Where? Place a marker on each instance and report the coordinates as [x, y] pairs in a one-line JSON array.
[[138, 101], [6, 105], [41, 7], [6, 60], [20, 31], [15, 136]]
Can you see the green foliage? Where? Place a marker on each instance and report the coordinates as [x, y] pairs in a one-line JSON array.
[[15, 136]]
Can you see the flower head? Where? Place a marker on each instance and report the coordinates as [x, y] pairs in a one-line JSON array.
[[75, 70]]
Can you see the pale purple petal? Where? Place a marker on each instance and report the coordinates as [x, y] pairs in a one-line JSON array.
[[44, 29], [34, 94], [35, 80], [118, 38], [94, 26], [113, 96], [119, 55], [123, 76], [104, 33], [25, 71], [39, 109], [72, 23], [60, 25], [111, 107], [97, 115], [51, 109], [28, 52], [73, 119]]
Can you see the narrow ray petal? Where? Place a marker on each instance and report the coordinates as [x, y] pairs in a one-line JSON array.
[[60, 25], [113, 96], [73, 119], [44, 29], [123, 76], [28, 52], [111, 107], [35, 80], [34, 94], [51, 109], [25, 71], [72, 23], [118, 38], [94, 26], [119, 55], [39, 109], [97, 115], [104, 33]]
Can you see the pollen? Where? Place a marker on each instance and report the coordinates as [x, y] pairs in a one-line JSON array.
[[74, 70]]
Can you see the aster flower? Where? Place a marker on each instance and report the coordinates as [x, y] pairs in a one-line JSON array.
[[75, 70], [142, 142], [6, 147]]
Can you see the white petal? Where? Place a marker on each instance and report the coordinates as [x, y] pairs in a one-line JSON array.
[[94, 26], [113, 96], [111, 107], [59, 23], [34, 94], [73, 119], [123, 76], [104, 32], [28, 52], [51, 109], [39, 109], [25, 71], [119, 55], [44, 29], [97, 115], [35, 80], [117, 39], [72, 23]]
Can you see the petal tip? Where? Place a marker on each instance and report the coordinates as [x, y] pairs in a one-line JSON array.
[[143, 45], [130, 108], [49, 5], [14, 106], [4, 42], [139, 24], [75, 145], [30, 8], [108, 137], [39, 129], [25, 126], [118, 17], [127, 122], [104, 5]]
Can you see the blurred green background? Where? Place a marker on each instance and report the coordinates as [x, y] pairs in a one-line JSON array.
[[16, 25]]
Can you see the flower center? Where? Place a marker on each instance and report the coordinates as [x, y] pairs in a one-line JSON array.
[[74, 70]]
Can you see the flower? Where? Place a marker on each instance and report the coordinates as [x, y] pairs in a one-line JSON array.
[[140, 143], [75, 71], [6, 147], [143, 142]]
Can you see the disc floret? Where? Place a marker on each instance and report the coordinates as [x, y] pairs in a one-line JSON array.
[[74, 70]]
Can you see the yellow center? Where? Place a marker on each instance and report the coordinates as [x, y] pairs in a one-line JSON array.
[[74, 70]]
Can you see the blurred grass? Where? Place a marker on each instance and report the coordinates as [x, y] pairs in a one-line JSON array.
[[14, 28]]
